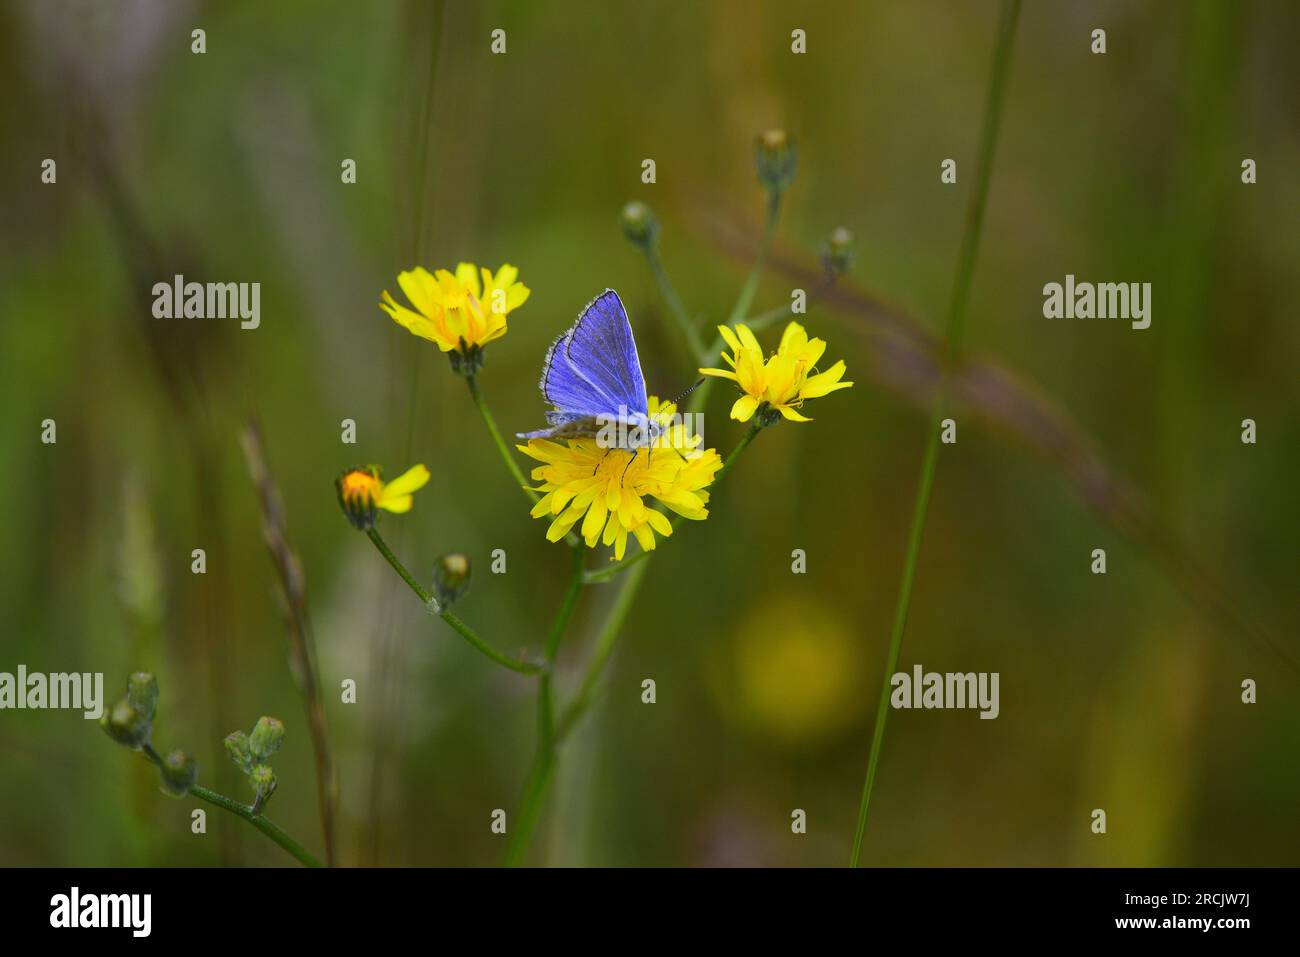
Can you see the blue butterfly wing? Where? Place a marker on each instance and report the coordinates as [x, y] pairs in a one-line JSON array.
[[600, 352], [592, 370], [570, 393]]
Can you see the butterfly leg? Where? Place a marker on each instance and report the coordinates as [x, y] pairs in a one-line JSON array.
[[602, 461], [635, 452]]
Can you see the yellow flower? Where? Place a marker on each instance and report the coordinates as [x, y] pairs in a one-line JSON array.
[[605, 488], [462, 311], [362, 491], [781, 382]]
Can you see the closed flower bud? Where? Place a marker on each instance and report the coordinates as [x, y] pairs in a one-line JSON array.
[[266, 737], [837, 252], [262, 780], [142, 692], [450, 578], [125, 724], [179, 772], [639, 223], [774, 159], [359, 490], [238, 748]]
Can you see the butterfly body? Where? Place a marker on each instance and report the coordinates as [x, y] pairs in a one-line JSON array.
[[592, 378]]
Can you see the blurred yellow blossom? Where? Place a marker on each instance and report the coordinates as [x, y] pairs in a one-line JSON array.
[[797, 671]]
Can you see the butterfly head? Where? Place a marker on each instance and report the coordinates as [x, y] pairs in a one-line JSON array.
[[628, 430], [648, 431]]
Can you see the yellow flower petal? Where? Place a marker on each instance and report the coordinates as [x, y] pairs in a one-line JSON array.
[[395, 503], [412, 480], [743, 410], [418, 287], [468, 276], [718, 373], [794, 338]]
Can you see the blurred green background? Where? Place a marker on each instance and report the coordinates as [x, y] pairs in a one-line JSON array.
[[1116, 692]]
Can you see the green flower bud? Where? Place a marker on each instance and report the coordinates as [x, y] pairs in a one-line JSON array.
[[262, 780], [238, 748], [179, 772], [125, 724], [450, 578], [266, 737], [774, 159], [837, 252], [639, 223], [142, 692]]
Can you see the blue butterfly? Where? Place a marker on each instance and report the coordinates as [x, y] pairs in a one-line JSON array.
[[592, 377]]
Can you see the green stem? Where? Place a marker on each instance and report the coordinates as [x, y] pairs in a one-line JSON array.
[[764, 319], [462, 629], [543, 767], [605, 574], [241, 810], [955, 328], [258, 821], [747, 292], [506, 455], [750, 288], [679, 314], [604, 646], [919, 510]]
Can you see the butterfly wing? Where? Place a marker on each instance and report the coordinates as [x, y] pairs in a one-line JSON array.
[[601, 352], [570, 393], [592, 370]]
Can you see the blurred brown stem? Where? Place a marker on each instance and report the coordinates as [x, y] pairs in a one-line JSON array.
[[302, 650]]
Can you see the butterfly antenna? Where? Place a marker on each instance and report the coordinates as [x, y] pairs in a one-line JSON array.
[[698, 382]]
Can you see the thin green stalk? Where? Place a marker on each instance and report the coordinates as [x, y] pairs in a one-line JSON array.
[[543, 767], [764, 319], [605, 574], [679, 313], [506, 455], [955, 328], [900, 622], [750, 288], [747, 292], [604, 646], [258, 821], [462, 629], [755, 428], [241, 810]]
